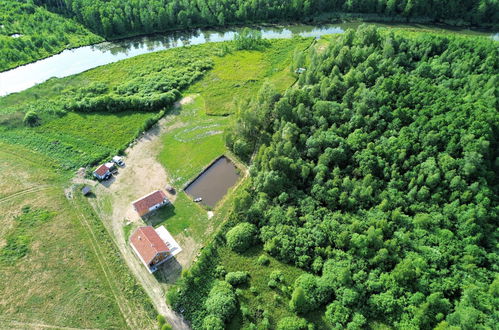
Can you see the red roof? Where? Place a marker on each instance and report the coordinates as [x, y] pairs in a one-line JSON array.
[[148, 243], [143, 205], [102, 170]]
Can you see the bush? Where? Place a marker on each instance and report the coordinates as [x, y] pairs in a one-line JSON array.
[[213, 322], [236, 278], [277, 276], [166, 326], [241, 237], [221, 301], [310, 292], [220, 272], [249, 39], [292, 323], [272, 284], [161, 319], [263, 260], [31, 119]]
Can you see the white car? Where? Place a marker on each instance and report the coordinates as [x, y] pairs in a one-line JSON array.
[[118, 161]]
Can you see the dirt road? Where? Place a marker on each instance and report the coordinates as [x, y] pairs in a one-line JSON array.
[[143, 175]]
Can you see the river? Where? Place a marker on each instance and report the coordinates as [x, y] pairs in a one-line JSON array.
[[80, 59]]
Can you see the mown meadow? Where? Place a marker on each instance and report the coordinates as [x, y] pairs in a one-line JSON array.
[[53, 276]]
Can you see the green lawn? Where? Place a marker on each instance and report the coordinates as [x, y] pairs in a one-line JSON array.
[[191, 146]]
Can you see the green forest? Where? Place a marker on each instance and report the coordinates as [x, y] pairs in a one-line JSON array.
[[376, 177], [29, 32], [118, 17]]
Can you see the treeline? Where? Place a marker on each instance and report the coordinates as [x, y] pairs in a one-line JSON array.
[[124, 17], [29, 32], [378, 175]]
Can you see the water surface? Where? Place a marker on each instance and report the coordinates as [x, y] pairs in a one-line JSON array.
[[214, 182], [80, 59]]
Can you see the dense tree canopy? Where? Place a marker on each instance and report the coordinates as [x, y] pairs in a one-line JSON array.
[[29, 32], [378, 173], [123, 17]]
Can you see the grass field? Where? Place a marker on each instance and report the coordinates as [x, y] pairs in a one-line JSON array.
[[193, 143], [76, 140], [54, 275], [240, 74]]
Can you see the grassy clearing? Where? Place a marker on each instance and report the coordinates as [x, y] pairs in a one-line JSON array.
[[76, 140], [240, 74], [257, 294]]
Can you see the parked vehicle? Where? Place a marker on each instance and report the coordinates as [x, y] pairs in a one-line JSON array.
[[118, 161], [197, 200]]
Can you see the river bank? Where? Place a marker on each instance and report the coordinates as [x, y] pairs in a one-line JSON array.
[[77, 60]]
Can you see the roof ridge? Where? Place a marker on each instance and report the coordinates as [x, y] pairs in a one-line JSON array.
[[152, 244], [145, 196]]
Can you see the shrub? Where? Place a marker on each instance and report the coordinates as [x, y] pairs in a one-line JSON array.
[[166, 326], [292, 323], [221, 300], [249, 39], [263, 260], [241, 237], [309, 293], [31, 119], [161, 319], [213, 322], [272, 284], [277, 276], [236, 278], [220, 271]]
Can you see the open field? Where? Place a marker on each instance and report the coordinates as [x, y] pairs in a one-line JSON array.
[[55, 277], [240, 74]]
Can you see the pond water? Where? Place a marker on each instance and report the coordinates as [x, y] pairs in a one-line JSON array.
[[214, 182], [80, 59]]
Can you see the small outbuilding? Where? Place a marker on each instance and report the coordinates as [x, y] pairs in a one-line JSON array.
[[150, 202], [86, 190], [102, 172]]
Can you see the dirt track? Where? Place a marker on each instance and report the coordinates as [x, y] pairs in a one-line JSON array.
[[142, 174]]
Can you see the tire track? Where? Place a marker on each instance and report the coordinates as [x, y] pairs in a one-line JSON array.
[[27, 191], [120, 300]]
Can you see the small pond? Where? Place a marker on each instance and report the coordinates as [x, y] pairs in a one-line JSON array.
[[212, 184]]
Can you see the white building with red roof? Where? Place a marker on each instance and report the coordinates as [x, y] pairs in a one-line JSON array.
[[150, 202], [102, 172], [153, 247]]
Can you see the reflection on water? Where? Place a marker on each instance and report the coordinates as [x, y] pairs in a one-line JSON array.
[[213, 184], [84, 58]]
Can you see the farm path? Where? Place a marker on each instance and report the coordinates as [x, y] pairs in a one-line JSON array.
[[141, 175]]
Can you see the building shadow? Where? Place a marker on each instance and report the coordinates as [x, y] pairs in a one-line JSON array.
[[107, 183], [156, 217], [169, 272]]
